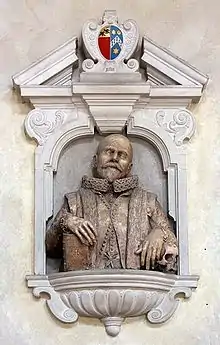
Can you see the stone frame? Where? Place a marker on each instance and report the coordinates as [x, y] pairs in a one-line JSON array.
[[157, 111]]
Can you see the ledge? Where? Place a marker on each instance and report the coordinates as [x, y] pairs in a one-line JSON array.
[[111, 296]]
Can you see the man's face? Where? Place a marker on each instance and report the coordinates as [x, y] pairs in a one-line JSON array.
[[114, 158]]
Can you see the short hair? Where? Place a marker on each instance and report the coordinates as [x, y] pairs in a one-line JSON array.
[[114, 137]]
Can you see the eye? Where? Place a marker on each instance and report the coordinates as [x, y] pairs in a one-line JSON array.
[[122, 155], [109, 151]]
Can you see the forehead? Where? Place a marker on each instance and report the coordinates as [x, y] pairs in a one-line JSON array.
[[118, 143]]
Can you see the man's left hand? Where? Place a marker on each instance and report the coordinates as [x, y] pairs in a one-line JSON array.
[[151, 249]]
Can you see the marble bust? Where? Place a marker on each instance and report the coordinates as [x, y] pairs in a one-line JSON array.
[[111, 222]]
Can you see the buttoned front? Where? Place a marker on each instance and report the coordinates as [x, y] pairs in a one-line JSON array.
[[113, 213]]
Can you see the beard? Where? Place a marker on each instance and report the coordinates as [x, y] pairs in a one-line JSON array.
[[109, 173]]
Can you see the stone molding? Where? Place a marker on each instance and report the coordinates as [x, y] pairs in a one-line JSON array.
[[57, 63], [165, 68], [110, 105], [111, 296]]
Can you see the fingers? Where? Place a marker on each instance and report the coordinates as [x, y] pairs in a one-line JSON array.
[[83, 236], [148, 258], [92, 229], [156, 253], [153, 256], [159, 252], [83, 229], [150, 253], [144, 252], [87, 233], [80, 237]]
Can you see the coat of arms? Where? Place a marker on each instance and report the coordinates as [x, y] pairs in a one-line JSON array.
[[110, 41], [110, 45]]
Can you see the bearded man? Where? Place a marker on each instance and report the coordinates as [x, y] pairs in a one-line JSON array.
[[110, 222]]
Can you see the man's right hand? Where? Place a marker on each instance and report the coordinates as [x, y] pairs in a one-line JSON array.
[[82, 228]]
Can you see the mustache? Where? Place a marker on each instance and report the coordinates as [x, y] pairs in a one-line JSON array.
[[112, 165]]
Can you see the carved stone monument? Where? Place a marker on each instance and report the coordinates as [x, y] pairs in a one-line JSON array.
[[117, 245], [111, 222]]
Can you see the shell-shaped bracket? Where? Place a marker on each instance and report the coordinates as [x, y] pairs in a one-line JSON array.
[[111, 296]]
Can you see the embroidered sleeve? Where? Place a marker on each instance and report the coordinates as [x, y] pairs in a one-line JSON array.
[[54, 233], [160, 220]]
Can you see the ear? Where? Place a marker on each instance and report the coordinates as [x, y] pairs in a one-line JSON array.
[[129, 168], [94, 162]]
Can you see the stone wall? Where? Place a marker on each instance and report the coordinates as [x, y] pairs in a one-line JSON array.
[[28, 30]]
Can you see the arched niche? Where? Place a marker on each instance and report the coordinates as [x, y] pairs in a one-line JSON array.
[[141, 126], [75, 161]]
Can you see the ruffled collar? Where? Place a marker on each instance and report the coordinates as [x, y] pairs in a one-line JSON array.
[[104, 186]]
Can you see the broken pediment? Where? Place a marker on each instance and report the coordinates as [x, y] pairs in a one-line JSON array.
[[66, 64], [80, 76]]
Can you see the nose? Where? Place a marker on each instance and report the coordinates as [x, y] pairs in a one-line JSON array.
[[115, 156]]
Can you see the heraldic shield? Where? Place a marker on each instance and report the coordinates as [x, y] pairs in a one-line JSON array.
[[110, 41]]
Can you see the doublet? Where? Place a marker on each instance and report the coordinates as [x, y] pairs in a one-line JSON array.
[[122, 213]]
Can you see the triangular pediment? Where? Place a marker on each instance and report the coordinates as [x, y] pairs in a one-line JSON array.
[[54, 69], [162, 66], [164, 72], [165, 68]]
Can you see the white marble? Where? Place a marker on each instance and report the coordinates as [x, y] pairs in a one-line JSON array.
[[28, 30]]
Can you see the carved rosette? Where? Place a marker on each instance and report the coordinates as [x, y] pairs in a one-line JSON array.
[[181, 125], [111, 296], [90, 33]]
